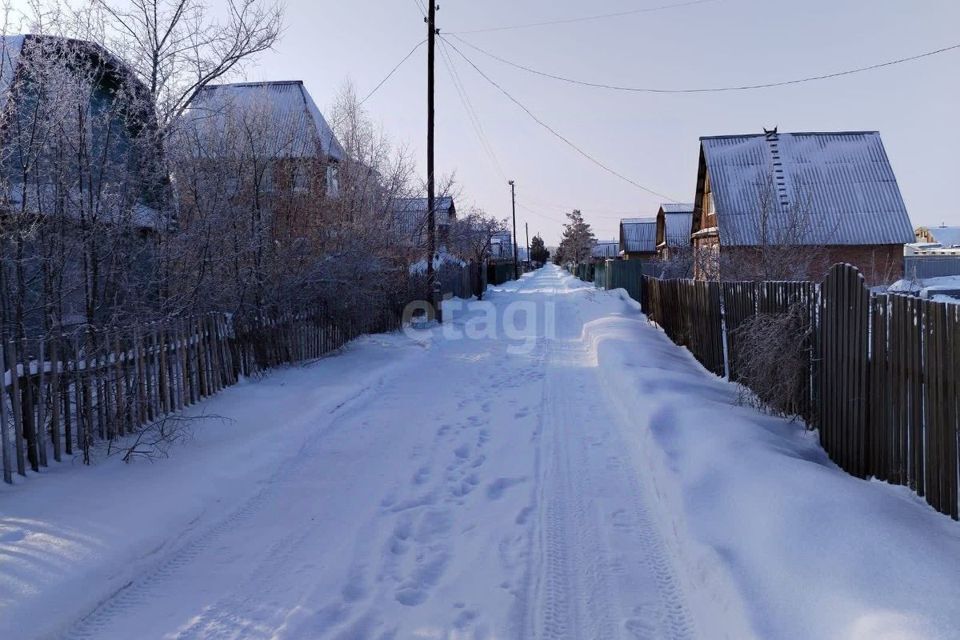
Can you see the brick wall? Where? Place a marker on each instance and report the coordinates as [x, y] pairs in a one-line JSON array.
[[880, 264]]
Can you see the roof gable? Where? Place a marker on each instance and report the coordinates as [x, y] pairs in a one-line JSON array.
[[674, 223], [638, 235], [807, 188]]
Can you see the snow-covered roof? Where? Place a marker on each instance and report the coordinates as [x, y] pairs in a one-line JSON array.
[[302, 130], [638, 235], [677, 207], [605, 249], [947, 237], [678, 222], [841, 184]]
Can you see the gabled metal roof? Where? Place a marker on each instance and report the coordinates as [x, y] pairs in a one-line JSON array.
[[804, 188], [638, 235], [301, 130], [678, 223], [410, 215]]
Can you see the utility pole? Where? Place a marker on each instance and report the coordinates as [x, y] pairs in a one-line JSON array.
[[513, 199], [431, 21], [526, 228]]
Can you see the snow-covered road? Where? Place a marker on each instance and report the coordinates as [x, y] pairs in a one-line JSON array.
[[569, 475]]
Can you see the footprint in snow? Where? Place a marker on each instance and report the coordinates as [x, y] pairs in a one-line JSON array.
[[496, 489]]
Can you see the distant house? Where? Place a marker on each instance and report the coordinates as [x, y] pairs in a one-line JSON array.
[[825, 197], [501, 246], [943, 236], [674, 223], [605, 250], [410, 219], [289, 131], [638, 238]]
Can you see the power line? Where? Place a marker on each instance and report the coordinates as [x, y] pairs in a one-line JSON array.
[[471, 111], [553, 131], [745, 87], [393, 71], [601, 16]]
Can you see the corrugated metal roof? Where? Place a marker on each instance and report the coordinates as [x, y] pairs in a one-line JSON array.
[[301, 129], [410, 215], [638, 235], [678, 225], [605, 249], [814, 188]]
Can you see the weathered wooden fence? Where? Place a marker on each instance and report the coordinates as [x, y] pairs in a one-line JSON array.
[[62, 394], [883, 386]]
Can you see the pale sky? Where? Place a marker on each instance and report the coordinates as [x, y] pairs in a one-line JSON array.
[[653, 139]]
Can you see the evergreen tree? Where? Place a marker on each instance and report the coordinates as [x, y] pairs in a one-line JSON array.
[[538, 250], [577, 240]]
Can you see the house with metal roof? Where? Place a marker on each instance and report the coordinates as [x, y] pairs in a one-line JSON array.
[[944, 236], [410, 219], [605, 250], [291, 131], [674, 223], [801, 200], [638, 238]]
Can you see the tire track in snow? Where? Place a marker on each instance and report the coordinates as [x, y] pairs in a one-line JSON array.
[[583, 473]]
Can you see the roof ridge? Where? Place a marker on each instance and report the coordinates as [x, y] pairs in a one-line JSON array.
[[262, 83], [792, 133]]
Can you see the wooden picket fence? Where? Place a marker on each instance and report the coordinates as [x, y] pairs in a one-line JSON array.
[[62, 394], [883, 386]]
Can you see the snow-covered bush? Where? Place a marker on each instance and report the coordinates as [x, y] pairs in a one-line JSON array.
[[773, 361]]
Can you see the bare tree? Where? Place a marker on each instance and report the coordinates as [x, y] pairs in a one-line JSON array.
[[176, 47], [471, 239], [789, 243]]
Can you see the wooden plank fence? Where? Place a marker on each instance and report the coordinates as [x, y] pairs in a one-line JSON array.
[[62, 394], [884, 370]]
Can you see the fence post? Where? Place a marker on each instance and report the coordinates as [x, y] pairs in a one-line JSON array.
[[4, 436], [15, 406]]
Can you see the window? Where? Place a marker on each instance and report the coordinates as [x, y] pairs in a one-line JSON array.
[[333, 180]]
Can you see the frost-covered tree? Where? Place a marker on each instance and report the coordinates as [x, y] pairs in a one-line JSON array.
[[577, 240]]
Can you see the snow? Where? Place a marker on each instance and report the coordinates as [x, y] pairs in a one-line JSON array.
[[574, 476], [942, 289], [440, 260]]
